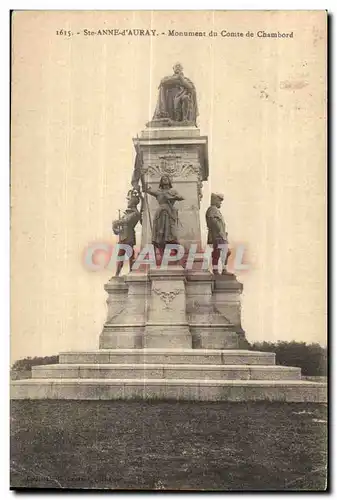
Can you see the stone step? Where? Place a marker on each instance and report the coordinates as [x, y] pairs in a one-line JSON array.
[[187, 389], [167, 371], [169, 356]]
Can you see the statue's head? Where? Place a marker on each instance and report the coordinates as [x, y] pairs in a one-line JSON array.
[[217, 199], [165, 182], [133, 198], [177, 68]]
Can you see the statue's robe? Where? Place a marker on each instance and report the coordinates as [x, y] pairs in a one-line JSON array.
[[170, 90], [165, 220]]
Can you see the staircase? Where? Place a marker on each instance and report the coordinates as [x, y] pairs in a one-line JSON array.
[[177, 374]]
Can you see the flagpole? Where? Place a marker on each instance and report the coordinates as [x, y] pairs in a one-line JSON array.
[[148, 209], [119, 233], [143, 187]]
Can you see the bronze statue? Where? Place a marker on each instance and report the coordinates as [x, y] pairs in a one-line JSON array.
[[124, 227], [217, 234], [165, 222], [177, 99]]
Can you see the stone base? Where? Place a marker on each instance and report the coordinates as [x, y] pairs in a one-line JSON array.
[[166, 321], [121, 337], [167, 122], [170, 132], [166, 371], [171, 374], [214, 337], [169, 356], [187, 390], [169, 336]]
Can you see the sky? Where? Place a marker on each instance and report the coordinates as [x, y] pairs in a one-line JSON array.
[[78, 101]]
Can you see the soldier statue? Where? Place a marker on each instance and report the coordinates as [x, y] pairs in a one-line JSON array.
[[124, 227], [217, 234]]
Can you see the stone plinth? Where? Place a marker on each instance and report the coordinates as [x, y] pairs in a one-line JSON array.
[[173, 308], [167, 324], [182, 154], [213, 308], [170, 133], [227, 301], [166, 371], [290, 391], [125, 323], [169, 356]]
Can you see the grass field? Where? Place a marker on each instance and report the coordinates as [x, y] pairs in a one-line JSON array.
[[163, 445]]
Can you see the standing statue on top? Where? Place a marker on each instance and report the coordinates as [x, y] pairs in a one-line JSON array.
[[165, 221], [217, 234], [177, 100]]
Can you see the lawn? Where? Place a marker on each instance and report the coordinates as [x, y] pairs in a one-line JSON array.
[[168, 445]]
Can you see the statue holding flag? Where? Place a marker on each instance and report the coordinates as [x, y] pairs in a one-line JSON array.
[[136, 175], [165, 222]]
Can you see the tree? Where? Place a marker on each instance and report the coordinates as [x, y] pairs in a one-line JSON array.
[[311, 358], [27, 363]]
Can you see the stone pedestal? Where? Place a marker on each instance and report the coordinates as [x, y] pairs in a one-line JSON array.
[[125, 323], [173, 308], [182, 154], [213, 308], [227, 301], [167, 324]]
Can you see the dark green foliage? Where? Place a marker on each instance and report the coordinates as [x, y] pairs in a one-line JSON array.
[[27, 363], [311, 358]]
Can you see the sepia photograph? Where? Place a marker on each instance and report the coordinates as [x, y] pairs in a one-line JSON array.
[[169, 250]]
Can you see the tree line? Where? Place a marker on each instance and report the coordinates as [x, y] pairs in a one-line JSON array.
[[311, 358], [27, 363]]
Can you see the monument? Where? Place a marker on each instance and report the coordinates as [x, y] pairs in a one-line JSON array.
[[177, 101], [172, 331]]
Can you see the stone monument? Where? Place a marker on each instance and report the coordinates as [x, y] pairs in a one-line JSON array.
[[177, 101], [171, 331]]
